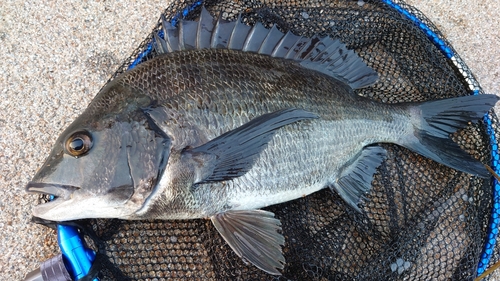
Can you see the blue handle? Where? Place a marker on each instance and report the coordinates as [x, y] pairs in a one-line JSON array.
[[78, 258]]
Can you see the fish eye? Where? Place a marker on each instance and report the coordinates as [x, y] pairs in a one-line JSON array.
[[79, 143]]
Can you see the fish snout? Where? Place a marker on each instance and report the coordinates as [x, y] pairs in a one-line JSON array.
[[56, 190]]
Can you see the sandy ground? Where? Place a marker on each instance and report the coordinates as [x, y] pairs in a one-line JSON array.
[[55, 55]]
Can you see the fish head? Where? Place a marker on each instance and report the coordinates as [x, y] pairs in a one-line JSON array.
[[100, 167]]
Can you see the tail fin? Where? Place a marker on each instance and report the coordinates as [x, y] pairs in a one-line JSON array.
[[439, 119]]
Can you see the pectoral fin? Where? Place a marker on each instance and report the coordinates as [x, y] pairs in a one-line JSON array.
[[232, 154], [253, 236], [356, 176]]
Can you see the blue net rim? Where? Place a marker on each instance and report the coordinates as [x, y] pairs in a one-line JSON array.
[[494, 220]]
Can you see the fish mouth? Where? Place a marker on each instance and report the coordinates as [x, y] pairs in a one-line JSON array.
[[53, 191]]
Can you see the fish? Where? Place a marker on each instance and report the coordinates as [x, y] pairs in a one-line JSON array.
[[232, 118]]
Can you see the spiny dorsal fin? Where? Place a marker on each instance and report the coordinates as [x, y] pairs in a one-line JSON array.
[[222, 32], [205, 28], [326, 55], [170, 41], [255, 38]]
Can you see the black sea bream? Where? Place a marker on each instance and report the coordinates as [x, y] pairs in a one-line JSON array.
[[231, 119]]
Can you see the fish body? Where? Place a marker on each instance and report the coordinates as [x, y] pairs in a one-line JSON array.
[[300, 159], [219, 128]]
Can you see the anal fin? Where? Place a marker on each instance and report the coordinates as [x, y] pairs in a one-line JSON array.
[[253, 235], [356, 177]]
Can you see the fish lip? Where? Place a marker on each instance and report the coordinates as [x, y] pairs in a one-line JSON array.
[[58, 190]]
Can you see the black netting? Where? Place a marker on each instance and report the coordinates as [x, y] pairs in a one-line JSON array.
[[421, 221]]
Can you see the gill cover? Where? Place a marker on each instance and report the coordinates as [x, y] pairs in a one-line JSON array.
[[116, 172]]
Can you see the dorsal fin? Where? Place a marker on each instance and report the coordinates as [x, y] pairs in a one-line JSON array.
[[238, 35], [205, 28], [326, 55], [255, 38]]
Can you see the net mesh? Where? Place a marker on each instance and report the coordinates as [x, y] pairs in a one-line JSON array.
[[421, 221]]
